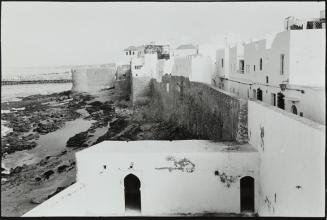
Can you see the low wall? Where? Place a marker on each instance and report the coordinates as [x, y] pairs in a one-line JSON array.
[[203, 110], [292, 155], [93, 79]]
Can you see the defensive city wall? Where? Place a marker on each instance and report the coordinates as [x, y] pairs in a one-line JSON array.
[[203, 110]]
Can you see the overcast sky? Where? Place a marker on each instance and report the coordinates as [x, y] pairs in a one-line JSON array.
[[50, 34]]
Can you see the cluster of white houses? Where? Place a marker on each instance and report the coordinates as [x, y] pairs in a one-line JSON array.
[[286, 70], [278, 172]]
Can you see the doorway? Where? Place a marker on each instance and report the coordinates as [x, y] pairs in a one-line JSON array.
[[294, 109], [247, 194], [132, 193], [280, 100], [259, 94]]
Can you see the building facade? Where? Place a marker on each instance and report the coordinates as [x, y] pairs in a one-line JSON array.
[[287, 71]]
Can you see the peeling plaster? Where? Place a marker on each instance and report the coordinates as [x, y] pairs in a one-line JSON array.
[[183, 165], [262, 135], [227, 180]]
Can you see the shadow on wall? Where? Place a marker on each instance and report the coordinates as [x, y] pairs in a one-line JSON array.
[[203, 110]]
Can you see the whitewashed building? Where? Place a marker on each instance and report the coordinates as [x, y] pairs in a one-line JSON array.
[[197, 68], [279, 172], [159, 178], [287, 70], [186, 50]]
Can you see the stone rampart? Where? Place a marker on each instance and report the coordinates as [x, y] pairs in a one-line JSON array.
[[203, 110]]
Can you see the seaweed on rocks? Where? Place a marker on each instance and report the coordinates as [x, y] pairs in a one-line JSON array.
[[78, 140]]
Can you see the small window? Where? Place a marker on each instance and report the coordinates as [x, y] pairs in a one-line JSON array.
[[127, 53], [222, 63], [247, 68], [133, 52], [267, 79], [254, 68], [301, 114], [241, 66], [282, 57], [260, 63], [130, 52], [273, 99]]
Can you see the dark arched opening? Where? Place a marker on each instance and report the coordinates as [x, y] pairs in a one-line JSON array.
[[294, 109], [259, 94], [247, 194], [280, 100], [132, 193]]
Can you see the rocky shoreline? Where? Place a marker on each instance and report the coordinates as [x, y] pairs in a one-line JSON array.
[[112, 119]]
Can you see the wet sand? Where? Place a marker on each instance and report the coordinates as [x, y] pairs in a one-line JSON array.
[[47, 145]]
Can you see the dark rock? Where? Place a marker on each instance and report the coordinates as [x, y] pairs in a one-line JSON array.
[[62, 153], [47, 174], [62, 168], [78, 141], [59, 189], [17, 169]]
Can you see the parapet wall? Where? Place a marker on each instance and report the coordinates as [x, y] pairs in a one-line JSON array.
[[203, 110], [93, 79], [292, 155]]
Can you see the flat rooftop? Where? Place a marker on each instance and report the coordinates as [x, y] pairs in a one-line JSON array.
[[162, 146]]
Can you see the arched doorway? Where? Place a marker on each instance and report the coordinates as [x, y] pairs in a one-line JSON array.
[[247, 194], [132, 193], [259, 94], [280, 100], [294, 109]]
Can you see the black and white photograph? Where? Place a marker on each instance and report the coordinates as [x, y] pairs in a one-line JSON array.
[[163, 109]]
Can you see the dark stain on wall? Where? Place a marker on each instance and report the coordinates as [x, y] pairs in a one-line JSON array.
[[183, 165], [262, 135], [225, 179]]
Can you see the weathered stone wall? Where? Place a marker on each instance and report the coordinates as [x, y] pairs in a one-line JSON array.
[[205, 111], [140, 89], [93, 79], [123, 82]]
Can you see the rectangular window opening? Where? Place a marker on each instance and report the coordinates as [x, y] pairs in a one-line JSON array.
[[282, 58]]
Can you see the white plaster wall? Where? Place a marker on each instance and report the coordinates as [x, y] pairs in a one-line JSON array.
[[201, 69], [182, 66], [312, 102], [292, 154], [163, 67], [253, 52], [236, 54], [308, 57], [185, 52], [149, 66], [164, 192], [222, 53], [209, 50]]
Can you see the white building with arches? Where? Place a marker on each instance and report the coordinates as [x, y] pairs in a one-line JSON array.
[[159, 178]]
